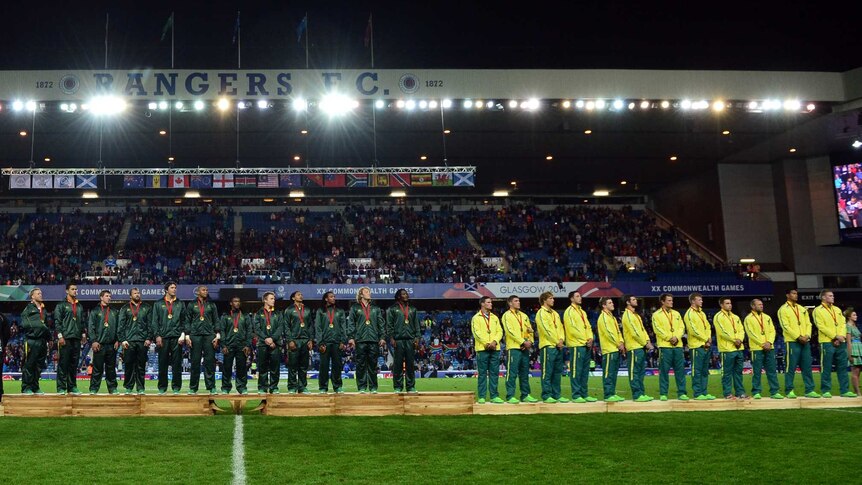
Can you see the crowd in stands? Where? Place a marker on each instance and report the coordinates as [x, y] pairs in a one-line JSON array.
[[404, 244]]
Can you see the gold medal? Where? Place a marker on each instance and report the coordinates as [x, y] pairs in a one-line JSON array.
[[331, 325], [406, 322], [202, 318], [170, 316], [134, 319], [368, 322], [302, 325], [106, 324], [268, 327], [235, 330]]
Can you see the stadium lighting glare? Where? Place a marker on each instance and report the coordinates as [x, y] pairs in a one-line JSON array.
[[524, 104], [513, 183], [725, 132], [718, 105], [170, 159], [90, 195], [192, 194], [500, 193], [753, 105], [410, 104], [179, 105], [399, 104], [423, 157], [468, 104], [567, 104], [432, 104], [588, 132], [85, 107], [335, 104], [856, 144], [792, 105], [447, 131], [296, 194], [30, 105], [623, 182], [478, 104], [223, 104], [792, 150], [47, 159], [579, 104], [702, 104], [296, 158], [673, 158], [107, 105], [64, 107], [22, 133], [398, 193], [618, 104], [163, 132], [423, 104], [665, 104], [549, 157], [152, 105], [299, 104], [269, 200], [379, 104], [73, 107], [17, 105], [600, 104], [447, 103], [163, 105], [241, 105], [631, 105], [685, 104], [262, 104], [644, 104], [304, 132], [601, 193], [810, 107], [489, 104], [533, 103], [747, 260], [513, 103], [591, 105], [199, 105]]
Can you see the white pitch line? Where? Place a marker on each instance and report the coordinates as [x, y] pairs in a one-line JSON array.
[[841, 410], [239, 477]]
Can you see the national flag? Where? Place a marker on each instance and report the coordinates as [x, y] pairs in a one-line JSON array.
[[201, 181], [267, 181], [19, 181], [291, 180], [399, 180], [313, 180], [85, 181], [420, 179], [169, 25], [301, 28], [464, 179], [468, 290], [223, 181], [178, 181], [368, 32], [357, 180], [236, 27], [157, 181], [133, 181], [43, 181], [442, 179], [245, 181], [64, 181], [333, 180], [380, 180]]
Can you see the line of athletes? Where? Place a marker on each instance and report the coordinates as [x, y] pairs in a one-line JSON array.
[[172, 324], [575, 332]]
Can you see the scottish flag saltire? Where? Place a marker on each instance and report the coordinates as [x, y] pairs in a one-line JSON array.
[[85, 181], [464, 179], [301, 28]]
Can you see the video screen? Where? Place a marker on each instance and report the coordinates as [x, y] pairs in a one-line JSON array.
[[848, 191]]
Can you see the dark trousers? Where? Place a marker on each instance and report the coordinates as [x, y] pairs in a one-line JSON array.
[[798, 354], [135, 365], [517, 371], [764, 359], [403, 364], [104, 363], [268, 367], [671, 358], [231, 355], [67, 368], [35, 355], [297, 367], [366, 365], [202, 345], [170, 354], [330, 361], [579, 376]]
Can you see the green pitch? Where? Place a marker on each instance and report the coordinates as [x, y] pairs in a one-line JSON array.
[[796, 446]]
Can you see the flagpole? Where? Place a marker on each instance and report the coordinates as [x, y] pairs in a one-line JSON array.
[[107, 20], [443, 134], [306, 40], [371, 24], [238, 66], [173, 29]]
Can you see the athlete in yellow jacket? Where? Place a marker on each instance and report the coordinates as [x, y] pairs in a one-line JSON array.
[[796, 326], [761, 343], [700, 345], [519, 341], [729, 331], [832, 327], [668, 326], [551, 341], [487, 334], [611, 340], [579, 340], [636, 339]]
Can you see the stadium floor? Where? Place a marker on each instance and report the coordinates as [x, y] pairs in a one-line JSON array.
[[596, 448]]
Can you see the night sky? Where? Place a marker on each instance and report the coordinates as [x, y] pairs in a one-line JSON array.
[[456, 35]]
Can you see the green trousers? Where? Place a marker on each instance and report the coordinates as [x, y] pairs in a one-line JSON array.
[[234, 355], [579, 376], [552, 371], [637, 365], [104, 363], [268, 367], [798, 354], [35, 355], [488, 365], [671, 358], [517, 369], [610, 371], [404, 365], [330, 363], [202, 346], [764, 359], [297, 367], [837, 356], [731, 373], [700, 371], [170, 354], [135, 366], [366, 365], [67, 367]]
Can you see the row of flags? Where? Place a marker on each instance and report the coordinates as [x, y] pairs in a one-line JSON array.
[[239, 181]]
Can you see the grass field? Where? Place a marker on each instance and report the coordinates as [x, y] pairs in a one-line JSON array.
[[796, 446]]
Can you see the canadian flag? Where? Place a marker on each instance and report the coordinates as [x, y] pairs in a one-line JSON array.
[[178, 181]]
